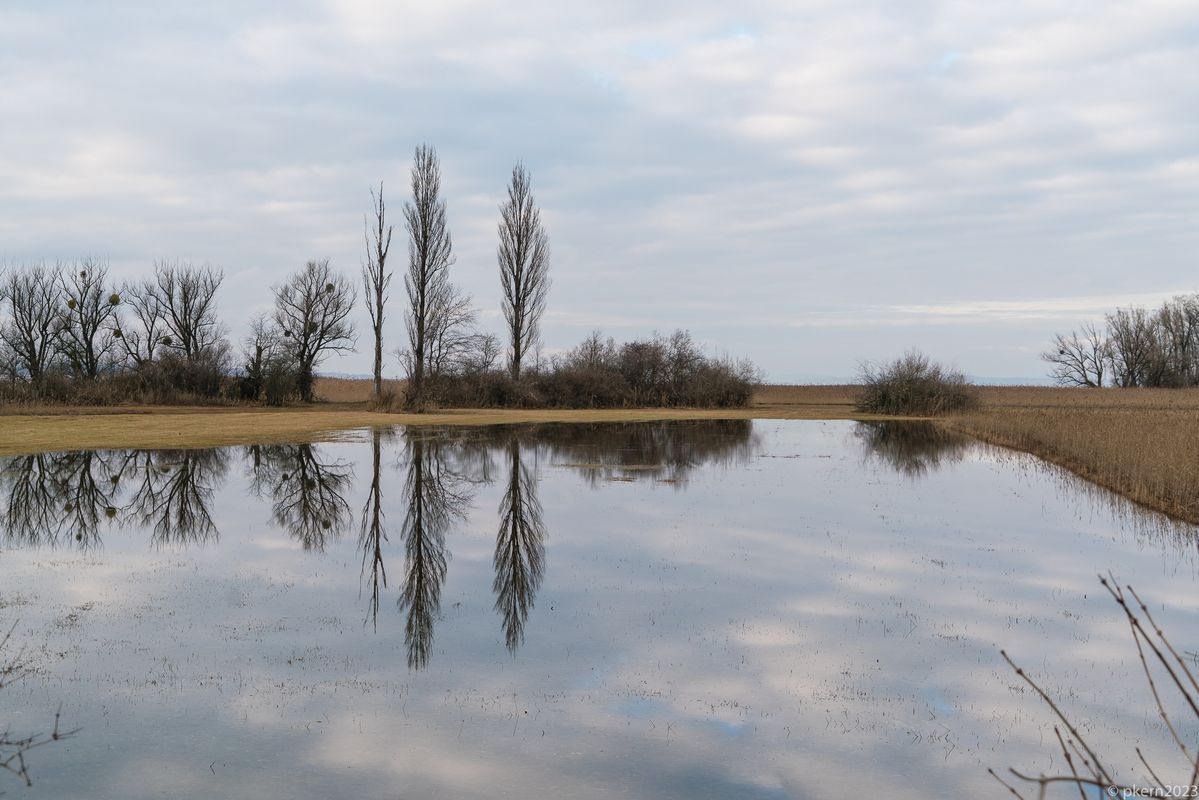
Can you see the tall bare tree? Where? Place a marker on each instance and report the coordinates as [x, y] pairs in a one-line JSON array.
[[375, 276], [524, 258], [312, 310], [29, 334], [430, 255], [1079, 358], [88, 318]]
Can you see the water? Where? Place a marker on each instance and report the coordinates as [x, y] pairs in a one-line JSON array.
[[675, 610]]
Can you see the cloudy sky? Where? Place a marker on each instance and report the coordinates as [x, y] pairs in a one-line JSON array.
[[807, 184]]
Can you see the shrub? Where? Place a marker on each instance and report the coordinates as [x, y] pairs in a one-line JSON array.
[[913, 384], [661, 371]]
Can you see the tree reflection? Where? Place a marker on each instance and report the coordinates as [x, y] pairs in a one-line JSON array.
[[519, 549], [912, 448], [33, 504], [172, 493], [51, 496], [58, 497], [373, 533], [89, 486], [307, 491], [436, 498]]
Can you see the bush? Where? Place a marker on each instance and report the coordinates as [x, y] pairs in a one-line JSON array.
[[662, 371], [913, 384]]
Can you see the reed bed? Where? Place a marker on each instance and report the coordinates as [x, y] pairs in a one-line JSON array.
[[1141, 443]]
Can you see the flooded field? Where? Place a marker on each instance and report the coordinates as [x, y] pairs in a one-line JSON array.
[[727, 609]]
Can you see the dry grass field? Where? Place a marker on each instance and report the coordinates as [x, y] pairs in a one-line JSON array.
[[1142, 443]]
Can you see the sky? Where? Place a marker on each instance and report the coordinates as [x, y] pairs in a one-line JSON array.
[[807, 184]]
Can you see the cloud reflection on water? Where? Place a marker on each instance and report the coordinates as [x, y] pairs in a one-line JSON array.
[[767, 627]]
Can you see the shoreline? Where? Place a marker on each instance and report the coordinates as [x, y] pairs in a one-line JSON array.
[[146, 428], [1141, 444]]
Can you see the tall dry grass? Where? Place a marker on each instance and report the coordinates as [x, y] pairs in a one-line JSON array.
[[1141, 443], [350, 390]]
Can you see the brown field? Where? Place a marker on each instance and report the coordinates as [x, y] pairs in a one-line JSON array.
[[1142, 443]]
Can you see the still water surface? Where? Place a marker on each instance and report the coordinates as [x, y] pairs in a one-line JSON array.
[[662, 610]]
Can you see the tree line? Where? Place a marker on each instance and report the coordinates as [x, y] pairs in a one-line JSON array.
[[1132, 347], [69, 333]]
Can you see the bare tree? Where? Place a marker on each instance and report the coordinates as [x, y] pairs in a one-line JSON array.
[[268, 370], [1177, 327], [186, 294], [430, 255], [142, 331], [29, 335], [312, 311], [1134, 351], [376, 278], [88, 319], [452, 332], [1079, 358], [523, 255]]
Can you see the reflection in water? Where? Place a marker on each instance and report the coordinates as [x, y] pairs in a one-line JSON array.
[[373, 534], [33, 501], [763, 634], [172, 493], [519, 549], [87, 492], [912, 448], [435, 500], [51, 497], [60, 497], [665, 451], [915, 449], [306, 490]]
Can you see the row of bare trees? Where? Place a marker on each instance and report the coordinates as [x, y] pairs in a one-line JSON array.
[[69, 321], [1133, 346], [65, 328], [440, 321]]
